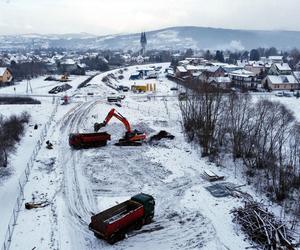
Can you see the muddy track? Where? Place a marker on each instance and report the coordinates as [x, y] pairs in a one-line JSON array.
[[78, 197], [120, 172]]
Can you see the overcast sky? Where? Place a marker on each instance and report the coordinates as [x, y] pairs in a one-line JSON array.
[[124, 16]]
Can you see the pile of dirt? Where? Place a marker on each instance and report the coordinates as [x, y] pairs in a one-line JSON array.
[[51, 78], [60, 88], [161, 135], [144, 127], [85, 82]]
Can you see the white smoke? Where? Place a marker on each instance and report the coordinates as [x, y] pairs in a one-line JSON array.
[[236, 45]]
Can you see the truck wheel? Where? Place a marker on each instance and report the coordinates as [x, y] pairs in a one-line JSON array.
[[97, 236], [139, 225], [115, 238], [148, 220], [121, 236], [112, 239]]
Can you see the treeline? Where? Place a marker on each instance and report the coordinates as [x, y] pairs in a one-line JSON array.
[[27, 70], [18, 100], [264, 135], [96, 63], [11, 131], [252, 55]]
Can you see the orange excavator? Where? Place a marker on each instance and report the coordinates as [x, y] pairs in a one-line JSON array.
[[131, 138]]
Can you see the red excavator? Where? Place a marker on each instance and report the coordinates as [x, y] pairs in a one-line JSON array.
[[131, 138]]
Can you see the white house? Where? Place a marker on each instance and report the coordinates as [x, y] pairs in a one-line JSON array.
[[275, 59], [223, 81], [297, 75], [281, 82], [243, 78], [280, 69], [181, 71]]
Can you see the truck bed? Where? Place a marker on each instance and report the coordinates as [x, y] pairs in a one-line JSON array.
[[98, 134], [88, 139], [116, 218]]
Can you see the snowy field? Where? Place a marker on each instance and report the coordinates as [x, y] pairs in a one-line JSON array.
[[38, 86], [79, 183]]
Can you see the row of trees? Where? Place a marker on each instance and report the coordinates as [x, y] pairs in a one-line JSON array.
[[233, 56], [96, 63], [11, 130], [263, 135], [27, 69]]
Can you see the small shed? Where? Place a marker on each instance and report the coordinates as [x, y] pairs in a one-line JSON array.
[[135, 76]]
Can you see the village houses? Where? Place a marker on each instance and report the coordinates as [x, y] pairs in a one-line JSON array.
[[280, 77]]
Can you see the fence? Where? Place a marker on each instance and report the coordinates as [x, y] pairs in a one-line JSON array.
[[24, 179]]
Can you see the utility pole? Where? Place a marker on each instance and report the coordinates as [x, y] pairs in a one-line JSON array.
[[28, 86]]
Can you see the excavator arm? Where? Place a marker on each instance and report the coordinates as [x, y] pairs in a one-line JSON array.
[[113, 113], [131, 138]]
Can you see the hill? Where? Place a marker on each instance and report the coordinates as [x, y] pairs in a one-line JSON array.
[[168, 38]]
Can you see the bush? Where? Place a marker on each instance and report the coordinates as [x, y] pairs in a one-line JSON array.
[[11, 130], [105, 79], [18, 100], [25, 117]]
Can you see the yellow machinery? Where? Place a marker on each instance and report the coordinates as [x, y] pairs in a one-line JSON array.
[[139, 88], [144, 88], [64, 78]]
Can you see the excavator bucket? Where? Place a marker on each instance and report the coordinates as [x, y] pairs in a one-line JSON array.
[[98, 126]]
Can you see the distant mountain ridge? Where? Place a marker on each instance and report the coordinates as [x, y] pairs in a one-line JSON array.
[[168, 38]]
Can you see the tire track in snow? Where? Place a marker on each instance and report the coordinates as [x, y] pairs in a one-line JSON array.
[[122, 172], [78, 197]]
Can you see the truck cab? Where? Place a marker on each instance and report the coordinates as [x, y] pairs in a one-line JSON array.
[[148, 202]]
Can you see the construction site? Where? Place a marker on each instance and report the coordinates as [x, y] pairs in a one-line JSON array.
[[113, 170]]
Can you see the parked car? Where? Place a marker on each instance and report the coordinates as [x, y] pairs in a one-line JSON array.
[[279, 94], [287, 94], [60, 88], [297, 94], [113, 99], [123, 88]]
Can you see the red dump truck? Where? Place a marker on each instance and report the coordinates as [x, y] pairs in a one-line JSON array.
[[113, 223], [87, 140]]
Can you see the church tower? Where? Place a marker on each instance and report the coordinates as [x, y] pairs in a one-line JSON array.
[[143, 42]]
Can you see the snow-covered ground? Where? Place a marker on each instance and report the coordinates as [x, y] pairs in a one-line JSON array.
[[79, 183], [9, 181], [38, 86]]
